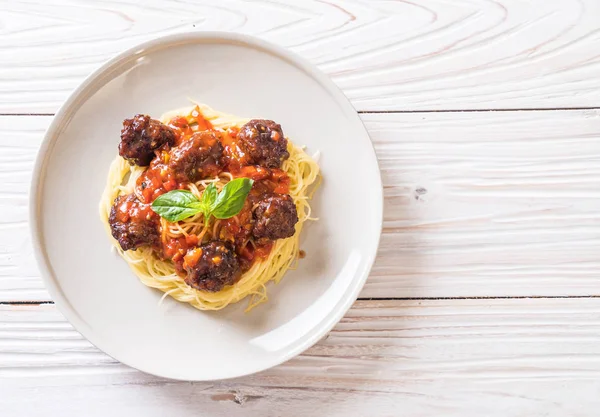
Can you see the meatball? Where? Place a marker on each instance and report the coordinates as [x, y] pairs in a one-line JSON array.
[[264, 143], [197, 158], [141, 136], [275, 216], [212, 266], [133, 224]]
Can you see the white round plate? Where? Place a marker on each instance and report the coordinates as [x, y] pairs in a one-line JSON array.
[[95, 289]]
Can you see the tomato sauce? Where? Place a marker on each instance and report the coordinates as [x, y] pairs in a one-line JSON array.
[[197, 117], [159, 179], [176, 248], [248, 254], [267, 180], [129, 210]]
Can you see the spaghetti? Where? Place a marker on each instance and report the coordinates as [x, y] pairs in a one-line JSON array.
[[269, 262]]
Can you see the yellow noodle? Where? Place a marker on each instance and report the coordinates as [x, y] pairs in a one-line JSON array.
[[160, 274]]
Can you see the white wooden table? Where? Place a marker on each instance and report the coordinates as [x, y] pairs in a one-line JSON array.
[[485, 297]]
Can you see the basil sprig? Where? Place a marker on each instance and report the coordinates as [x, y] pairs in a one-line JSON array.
[[177, 205]]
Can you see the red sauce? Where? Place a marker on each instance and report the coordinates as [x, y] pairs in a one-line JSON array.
[[197, 117], [180, 125], [159, 179], [131, 210], [272, 180], [235, 157], [176, 248], [186, 126], [191, 258], [249, 254]]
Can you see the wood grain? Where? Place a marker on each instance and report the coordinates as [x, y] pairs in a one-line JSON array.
[[421, 358], [476, 204], [385, 55], [484, 204]]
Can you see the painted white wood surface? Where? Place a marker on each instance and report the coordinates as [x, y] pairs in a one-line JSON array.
[[452, 358], [476, 204], [385, 55]]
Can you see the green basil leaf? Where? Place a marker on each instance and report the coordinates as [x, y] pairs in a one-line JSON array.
[[231, 199], [209, 195], [176, 205], [207, 199]]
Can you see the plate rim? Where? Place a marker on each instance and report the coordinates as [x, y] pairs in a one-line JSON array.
[[62, 116]]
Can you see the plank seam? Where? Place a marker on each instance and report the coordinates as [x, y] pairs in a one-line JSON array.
[[518, 297], [491, 297], [25, 303], [26, 114], [532, 109]]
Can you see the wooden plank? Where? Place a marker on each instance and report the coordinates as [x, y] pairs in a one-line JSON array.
[[19, 141], [435, 54], [476, 204], [488, 204], [418, 358]]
